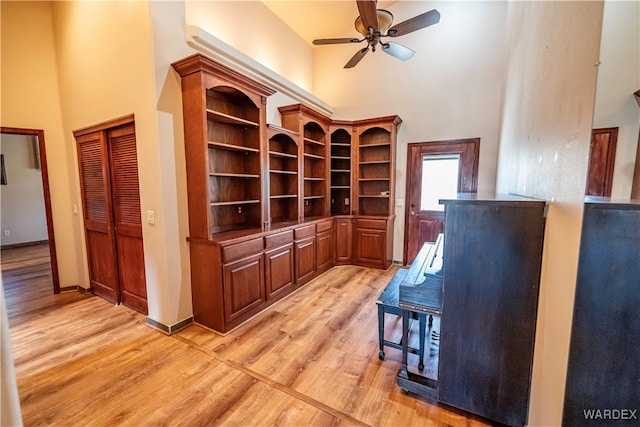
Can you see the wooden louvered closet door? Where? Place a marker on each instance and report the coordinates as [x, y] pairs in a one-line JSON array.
[[112, 216], [127, 216], [98, 223]]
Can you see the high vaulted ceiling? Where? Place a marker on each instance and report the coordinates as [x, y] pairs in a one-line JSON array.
[[320, 19]]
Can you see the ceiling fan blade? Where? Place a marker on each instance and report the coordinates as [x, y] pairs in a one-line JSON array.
[[336, 41], [416, 23], [397, 50], [368, 13], [357, 57]]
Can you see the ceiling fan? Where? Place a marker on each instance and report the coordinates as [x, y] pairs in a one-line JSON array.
[[374, 24]]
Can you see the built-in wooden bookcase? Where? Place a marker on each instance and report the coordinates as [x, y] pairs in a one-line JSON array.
[[283, 176], [341, 169], [313, 127], [259, 196], [224, 118], [233, 137], [315, 179], [376, 165]]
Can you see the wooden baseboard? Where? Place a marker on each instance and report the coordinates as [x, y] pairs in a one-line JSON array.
[[170, 330], [75, 288], [24, 244]]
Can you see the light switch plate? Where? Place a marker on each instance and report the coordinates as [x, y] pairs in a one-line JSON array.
[[151, 217]]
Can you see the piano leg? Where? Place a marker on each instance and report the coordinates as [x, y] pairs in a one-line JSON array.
[[404, 373], [423, 330], [381, 331]]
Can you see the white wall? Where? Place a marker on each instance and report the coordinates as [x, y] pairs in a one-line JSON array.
[[168, 32], [22, 199], [31, 100], [450, 89], [618, 79], [544, 147], [106, 67], [253, 29]]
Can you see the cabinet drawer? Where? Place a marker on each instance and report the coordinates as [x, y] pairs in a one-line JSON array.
[[324, 226], [306, 231], [278, 239], [377, 224], [241, 250]]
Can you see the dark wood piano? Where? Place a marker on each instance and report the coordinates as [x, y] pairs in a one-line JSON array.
[[484, 285]]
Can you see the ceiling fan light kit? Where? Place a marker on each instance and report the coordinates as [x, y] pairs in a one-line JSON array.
[[374, 24], [385, 19]]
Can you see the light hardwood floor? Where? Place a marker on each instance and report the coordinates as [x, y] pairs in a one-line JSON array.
[[311, 359]]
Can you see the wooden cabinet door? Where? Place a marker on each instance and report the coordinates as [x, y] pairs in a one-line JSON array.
[[370, 246], [127, 217], [93, 163], [243, 286], [343, 241], [279, 271], [305, 260], [324, 242]]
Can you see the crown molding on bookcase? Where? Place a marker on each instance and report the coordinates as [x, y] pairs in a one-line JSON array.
[[220, 51]]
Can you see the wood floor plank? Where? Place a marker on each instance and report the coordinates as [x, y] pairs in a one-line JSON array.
[[310, 359], [24, 256]]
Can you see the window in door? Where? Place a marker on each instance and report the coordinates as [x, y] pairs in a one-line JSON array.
[[439, 180]]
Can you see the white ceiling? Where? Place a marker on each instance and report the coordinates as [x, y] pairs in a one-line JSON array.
[[319, 19]]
